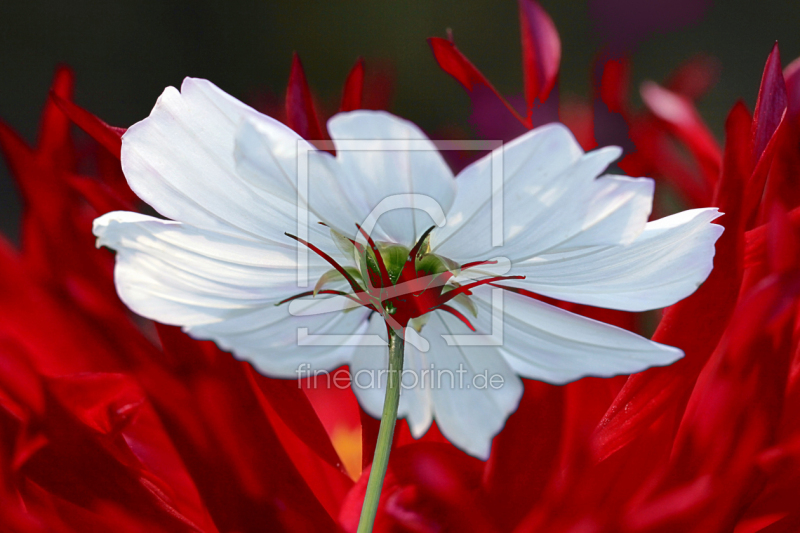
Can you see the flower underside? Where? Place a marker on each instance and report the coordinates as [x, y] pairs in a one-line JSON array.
[[401, 284]]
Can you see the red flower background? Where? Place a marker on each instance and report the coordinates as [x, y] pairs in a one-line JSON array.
[[112, 423]]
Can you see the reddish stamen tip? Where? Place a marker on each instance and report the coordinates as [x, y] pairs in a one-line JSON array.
[[466, 288], [353, 283], [412, 255], [455, 312], [477, 263], [409, 271]]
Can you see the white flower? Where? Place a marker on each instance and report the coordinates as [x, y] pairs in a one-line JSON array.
[[227, 178]]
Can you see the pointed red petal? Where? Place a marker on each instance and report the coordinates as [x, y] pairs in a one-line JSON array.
[[782, 238], [771, 103], [614, 84], [514, 484], [734, 414], [756, 250], [458, 314], [754, 192], [303, 437], [694, 325], [55, 143], [108, 136], [695, 77], [792, 76], [685, 122], [20, 385], [218, 443], [353, 283], [292, 405], [452, 61], [300, 113], [541, 51], [379, 85], [782, 182], [19, 157], [353, 88]]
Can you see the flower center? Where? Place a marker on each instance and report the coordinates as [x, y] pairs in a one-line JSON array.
[[401, 284]]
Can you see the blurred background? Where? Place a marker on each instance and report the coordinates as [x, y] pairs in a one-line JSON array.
[[125, 53]]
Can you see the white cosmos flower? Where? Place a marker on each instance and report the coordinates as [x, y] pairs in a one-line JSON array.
[[226, 177]]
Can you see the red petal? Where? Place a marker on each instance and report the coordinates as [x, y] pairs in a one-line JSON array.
[[541, 51], [783, 182], [300, 113], [458, 314], [292, 405], [428, 487], [694, 78], [792, 76], [353, 87], [694, 325], [100, 196], [657, 155], [614, 84], [512, 481], [109, 137], [104, 402], [303, 437], [754, 191], [452, 61], [756, 250], [55, 143], [770, 105], [228, 443], [685, 122], [20, 385], [734, 415], [379, 85], [783, 241]]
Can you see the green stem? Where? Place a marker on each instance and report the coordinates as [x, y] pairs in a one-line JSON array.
[[384, 445]]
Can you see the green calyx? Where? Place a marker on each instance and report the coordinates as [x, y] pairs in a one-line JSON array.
[[372, 272]]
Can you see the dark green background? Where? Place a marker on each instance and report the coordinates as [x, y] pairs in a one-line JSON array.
[[125, 52]]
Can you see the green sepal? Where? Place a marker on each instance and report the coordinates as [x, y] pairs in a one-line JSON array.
[[462, 299], [431, 264], [394, 257], [344, 244], [334, 275]]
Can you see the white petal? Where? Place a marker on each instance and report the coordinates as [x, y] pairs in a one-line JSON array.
[[221, 287], [666, 263], [180, 160], [367, 368], [398, 159], [382, 162], [536, 157], [208, 264], [472, 411], [282, 345], [549, 344], [271, 160], [549, 196], [449, 383]]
